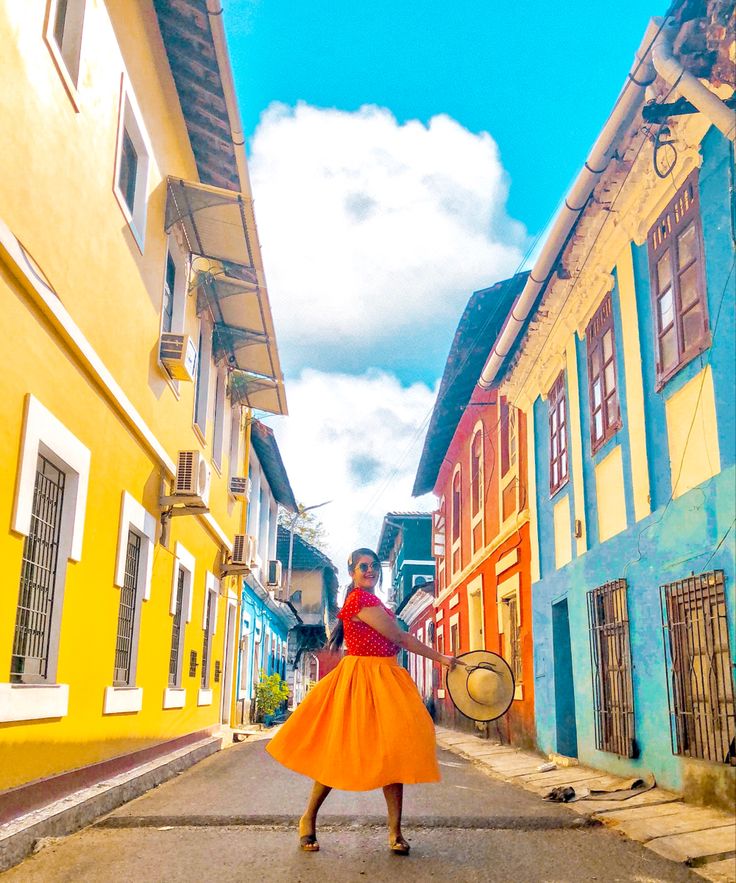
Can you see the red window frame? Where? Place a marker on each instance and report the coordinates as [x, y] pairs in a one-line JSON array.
[[677, 281], [456, 505], [476, 473], [605, 412], [559, 465]]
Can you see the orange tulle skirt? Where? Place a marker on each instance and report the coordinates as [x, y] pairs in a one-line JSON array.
[[361, 727]]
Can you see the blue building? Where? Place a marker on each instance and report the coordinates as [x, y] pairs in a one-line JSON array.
[[623, 362], [405, 546]]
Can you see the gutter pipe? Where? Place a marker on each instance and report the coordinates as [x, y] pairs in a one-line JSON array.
[[640, 76], [673, 73], [653, 57]]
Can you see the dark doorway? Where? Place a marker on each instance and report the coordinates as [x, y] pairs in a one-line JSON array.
[[567, 733]]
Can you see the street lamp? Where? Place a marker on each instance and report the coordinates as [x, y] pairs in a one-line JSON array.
[[302, 510]]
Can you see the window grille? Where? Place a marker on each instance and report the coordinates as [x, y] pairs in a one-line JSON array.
[[605, 416], [39, 570], [610, 651], [176, 632], [205, 675], [678, 282], [514, 638], [699, 676], [126, 615], [558, 466]]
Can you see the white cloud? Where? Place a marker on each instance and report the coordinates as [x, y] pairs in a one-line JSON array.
[[355, 441], [374, 232]]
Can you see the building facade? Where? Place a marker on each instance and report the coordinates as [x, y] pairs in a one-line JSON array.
[[132, 282], [405, 548], [624, 372], [474, 460]]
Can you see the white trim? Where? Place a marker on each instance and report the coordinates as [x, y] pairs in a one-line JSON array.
[[134, 516], [440, 693], [429, 561], [479, 517], [204, 697], [122, 700], [70, 78], [439, 613], [186, 560], [42, 432], [475, 587], [508, 589], [29, 702], [70, 333], [506, 561], [454, 601], [454, 619], [456, 545], [211, 584], [175, 697]]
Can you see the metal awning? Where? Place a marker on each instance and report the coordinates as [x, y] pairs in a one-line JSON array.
[[219, 228]]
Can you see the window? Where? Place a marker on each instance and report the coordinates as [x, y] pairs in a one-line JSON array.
[[218, 433], [699, 675], [677, 276], [131, 167], [180, 608], [438, 542], [456, 515], [167, 320], [477, 490], [613, 692], [65, 21], [208, 624], [245, 648], [234, 456], [177, 632], [511, 635], [454, 635], [508, 425], [557, 409], [37, 610], [202, 380], [605, 417], [128, 613]]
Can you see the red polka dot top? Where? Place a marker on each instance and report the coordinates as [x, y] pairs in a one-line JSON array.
[[360, 638]]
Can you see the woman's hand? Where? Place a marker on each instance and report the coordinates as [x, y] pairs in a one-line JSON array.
[[452, 661]]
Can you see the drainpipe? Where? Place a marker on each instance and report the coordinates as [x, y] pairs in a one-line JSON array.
[[640, 76], [688, 85]]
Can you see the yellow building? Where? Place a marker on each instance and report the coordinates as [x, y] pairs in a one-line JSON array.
[[138, 336]]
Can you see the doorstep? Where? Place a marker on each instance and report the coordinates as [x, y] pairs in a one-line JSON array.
[[702, 838], [20, 836]]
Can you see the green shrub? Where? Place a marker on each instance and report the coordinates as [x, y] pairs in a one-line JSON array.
[[271, 691]]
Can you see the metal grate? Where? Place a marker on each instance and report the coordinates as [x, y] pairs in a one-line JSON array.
[[515, 638], [699, 677], [176, 632], [206, 643], [126, 615], [33, 624], [610, 652]]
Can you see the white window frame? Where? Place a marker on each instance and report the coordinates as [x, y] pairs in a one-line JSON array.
[[130, 119], [456, 544], [203, 376], [175, 697], [133, 517], [478, 517], [74, 24], [44, 434], [211, 589], [512, 475], [234, 448], [455, 620], [218, 430], [475, 587], [510, 588]]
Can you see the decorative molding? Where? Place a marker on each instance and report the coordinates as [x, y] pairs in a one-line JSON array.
[[28, 702], [175, 697], [122, 700]]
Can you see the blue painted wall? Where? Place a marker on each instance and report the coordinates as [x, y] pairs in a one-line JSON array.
[[692, 534]]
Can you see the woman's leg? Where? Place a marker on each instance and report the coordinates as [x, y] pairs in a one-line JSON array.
[[308, 822], [394, 795]]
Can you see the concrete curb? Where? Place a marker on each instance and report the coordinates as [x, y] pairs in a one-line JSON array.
[[702, 838], [19, 837]]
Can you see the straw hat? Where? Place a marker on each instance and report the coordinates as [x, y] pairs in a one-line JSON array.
[[483, 688]]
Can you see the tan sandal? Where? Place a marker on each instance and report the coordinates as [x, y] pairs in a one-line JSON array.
[[308, 843], [399, 846]]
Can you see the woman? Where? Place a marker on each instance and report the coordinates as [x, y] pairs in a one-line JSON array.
[[364, 726]]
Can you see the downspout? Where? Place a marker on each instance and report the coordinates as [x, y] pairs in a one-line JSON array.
[[640, 76], [688, 85]]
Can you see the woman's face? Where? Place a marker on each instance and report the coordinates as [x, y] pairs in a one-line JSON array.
[[365, 573]]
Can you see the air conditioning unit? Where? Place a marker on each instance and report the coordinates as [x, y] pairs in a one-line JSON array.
[[240, 487], [193, 476], [179, 354], [244, 550], [274, 573]]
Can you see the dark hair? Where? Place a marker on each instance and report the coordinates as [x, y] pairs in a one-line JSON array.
[[338, 633]]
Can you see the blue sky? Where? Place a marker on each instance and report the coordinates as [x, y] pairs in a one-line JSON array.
[[403, 155]]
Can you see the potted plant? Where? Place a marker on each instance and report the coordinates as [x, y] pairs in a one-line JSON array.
[[271, 691]]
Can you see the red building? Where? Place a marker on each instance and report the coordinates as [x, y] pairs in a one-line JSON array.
[[474, 460], [417, 613]]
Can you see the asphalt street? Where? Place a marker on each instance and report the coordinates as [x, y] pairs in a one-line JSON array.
[[233, 817]]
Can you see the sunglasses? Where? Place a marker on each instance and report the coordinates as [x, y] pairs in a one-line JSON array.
[[364, 568]]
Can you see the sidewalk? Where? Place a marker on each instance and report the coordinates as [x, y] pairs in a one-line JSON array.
[[704, 839]]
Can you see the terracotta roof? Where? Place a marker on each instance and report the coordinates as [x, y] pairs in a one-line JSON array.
[[269, 456], [476, 333]]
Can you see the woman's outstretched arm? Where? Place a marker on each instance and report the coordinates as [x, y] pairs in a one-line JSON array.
[[377, 618]]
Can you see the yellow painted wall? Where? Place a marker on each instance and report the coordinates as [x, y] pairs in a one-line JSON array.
[[609, 486], [692, 433], [563, 541], [56, 197]]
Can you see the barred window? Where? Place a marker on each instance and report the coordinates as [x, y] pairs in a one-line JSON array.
[[677, 275], [605, 416], [177, 632], [36, 617], [512, 634], [613, 692], [557, 408], [209, 622], [699, 675], [127, 613]]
